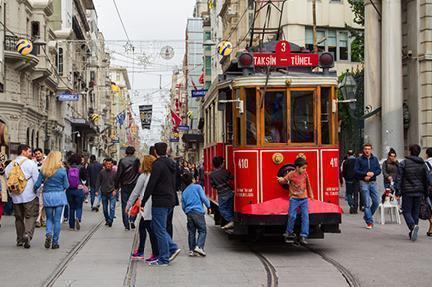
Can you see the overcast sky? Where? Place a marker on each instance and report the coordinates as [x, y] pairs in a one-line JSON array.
[[146, 20]]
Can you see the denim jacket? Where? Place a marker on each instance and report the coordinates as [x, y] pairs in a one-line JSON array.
[[54, 188], [364, 165]]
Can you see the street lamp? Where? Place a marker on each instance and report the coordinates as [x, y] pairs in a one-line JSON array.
[[348, 87]]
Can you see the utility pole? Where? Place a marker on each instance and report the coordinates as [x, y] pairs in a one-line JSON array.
[[315, 44]]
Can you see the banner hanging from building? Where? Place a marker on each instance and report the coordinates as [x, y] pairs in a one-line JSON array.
[[145, 116]]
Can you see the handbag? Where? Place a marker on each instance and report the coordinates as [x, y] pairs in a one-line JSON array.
[[425, 208], [135, 209]]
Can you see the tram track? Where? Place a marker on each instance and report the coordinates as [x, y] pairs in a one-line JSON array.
[[51, 280], [130, 277], [272, 277]]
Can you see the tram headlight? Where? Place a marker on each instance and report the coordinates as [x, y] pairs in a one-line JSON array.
[[326, 60], [245, 61]]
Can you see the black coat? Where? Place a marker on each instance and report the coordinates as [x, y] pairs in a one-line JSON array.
[[127, 172], [412, 177], [162, 184]]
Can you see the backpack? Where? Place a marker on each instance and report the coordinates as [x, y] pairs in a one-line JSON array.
[[74, 177], [17, 181]]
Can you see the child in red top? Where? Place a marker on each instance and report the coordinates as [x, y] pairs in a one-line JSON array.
[[299, 189]]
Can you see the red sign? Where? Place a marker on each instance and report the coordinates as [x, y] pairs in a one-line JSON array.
[[284, 58]]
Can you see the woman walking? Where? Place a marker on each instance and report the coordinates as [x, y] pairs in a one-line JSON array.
[[145, 222], [75, 194], [54, 178]]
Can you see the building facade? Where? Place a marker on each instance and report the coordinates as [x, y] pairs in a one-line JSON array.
[[398, 74]]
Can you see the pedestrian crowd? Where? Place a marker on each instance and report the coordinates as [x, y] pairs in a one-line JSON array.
[[408, 182]]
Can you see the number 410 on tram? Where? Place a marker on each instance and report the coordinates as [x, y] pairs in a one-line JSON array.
[[260, 122]]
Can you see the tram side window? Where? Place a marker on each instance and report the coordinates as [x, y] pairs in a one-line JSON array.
[[275, 114], [302, 116], [325, 115], [251, 117]]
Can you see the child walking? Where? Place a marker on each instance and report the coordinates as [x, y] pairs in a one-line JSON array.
[[299, 188], [146, 218], [193, 198]]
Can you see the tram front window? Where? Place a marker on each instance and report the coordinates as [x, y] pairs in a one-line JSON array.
[[251, 120], [275, 117], [302, 116]]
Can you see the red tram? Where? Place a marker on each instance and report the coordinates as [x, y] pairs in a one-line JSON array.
[[260, 123]]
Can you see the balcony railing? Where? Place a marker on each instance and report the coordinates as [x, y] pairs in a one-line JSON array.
[[10, 45]]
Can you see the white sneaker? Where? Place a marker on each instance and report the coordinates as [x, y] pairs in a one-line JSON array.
[[174, 255], [229, 225], [200, 251], [192, 253]]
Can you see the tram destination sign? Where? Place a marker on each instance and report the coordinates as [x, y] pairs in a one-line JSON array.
[[283, 57]]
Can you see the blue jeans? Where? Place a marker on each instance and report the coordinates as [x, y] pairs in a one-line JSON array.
[[226, 205], [75, 199], [369, 193], [303, 205], [165, 244], [53, 226], [109, 204], [126, 190], [196, 222], [93, 197]]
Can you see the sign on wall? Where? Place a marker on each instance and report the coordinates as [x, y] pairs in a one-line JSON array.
[[145, 116], [68, 97]]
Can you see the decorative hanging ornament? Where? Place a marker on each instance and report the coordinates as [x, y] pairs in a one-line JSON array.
[[167, 52], [24, 47], [225, 48]]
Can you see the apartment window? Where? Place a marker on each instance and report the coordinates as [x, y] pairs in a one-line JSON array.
[[207, 36], [60, 61], [35, 30], [343, 45], [330, 40]]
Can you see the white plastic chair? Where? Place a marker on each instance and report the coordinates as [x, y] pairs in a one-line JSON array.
[[388, 208]]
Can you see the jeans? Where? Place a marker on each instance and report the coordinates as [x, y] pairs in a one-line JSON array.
[[125, 193], [226, 202], [53, 226], [196, 222], [165, 244], [369, 193], [145, 225], [75, 199], [108, 204], [169, 227], [93, 197], [303, 205], [411, 210], [352, 194]]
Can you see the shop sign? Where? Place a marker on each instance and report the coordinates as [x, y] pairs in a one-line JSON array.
[[68, 97]]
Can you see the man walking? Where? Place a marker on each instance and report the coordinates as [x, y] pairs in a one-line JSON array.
[[105, 187], [411, 183], [94, 169], [26, 202], [366, 169], [126, 179], [39, 157], [161, 188], [350, 182]]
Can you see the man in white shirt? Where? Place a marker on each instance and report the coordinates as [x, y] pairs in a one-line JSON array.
[[26, 204]]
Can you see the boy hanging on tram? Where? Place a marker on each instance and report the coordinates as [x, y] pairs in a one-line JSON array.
[[299, 189], [220, 179]]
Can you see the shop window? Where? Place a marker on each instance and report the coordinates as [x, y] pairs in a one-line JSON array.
[[302, 116], [275, 114], [251, 117], [325, 115]]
